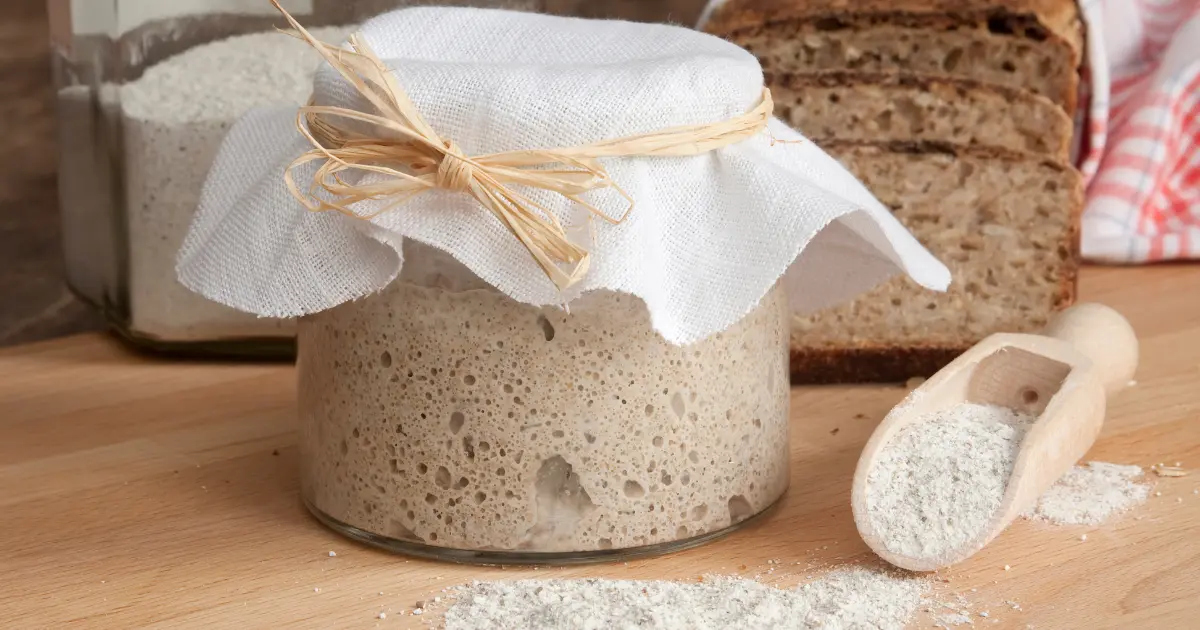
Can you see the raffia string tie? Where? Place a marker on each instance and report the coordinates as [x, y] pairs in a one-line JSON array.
[[455, 172], [407, 157]]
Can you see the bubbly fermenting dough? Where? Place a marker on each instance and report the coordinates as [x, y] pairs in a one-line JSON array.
[[463, 419]]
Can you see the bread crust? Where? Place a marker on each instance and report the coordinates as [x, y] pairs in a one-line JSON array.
[[873, 363], [850, 78], [1035, 19], [869, 364], [982, 152], [836, 78]]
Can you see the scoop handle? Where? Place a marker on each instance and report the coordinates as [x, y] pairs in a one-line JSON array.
[[1104, 336]]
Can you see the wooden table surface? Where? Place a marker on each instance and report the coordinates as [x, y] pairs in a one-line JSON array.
[[137, 493]]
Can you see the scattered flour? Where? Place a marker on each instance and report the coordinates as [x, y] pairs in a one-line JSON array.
[[954, 611], [175, 117], [941, 479], [957, 611], [1090, 494], [848, 598], [953, 619]]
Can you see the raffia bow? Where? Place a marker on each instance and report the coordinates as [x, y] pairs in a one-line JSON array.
[[413, 158]]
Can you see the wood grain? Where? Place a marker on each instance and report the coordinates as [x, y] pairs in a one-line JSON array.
[[140, 494]]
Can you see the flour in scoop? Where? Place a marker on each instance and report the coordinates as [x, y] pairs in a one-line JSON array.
[[940, 480], [842, 599], [1091, 494]]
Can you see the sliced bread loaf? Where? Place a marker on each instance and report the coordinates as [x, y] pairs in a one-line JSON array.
[[890, 107], [1006, 225], [1030, 44]]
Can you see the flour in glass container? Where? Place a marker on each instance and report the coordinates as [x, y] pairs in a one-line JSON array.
[[175, 117]]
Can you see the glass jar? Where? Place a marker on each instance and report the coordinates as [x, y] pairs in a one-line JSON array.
[[145, 97], [440, 418]]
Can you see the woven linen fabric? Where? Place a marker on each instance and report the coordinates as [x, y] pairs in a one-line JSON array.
[[709, 234], [1142, 155]]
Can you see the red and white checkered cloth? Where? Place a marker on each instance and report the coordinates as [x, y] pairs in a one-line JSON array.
[[1141, 151]]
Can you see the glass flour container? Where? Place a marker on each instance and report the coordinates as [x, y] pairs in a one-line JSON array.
[[441, 418], [144, 102]]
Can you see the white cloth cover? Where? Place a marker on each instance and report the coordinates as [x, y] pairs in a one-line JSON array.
[[709, 235]]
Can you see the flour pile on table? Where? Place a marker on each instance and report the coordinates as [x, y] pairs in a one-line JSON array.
[[847, 598], [1092, 493]]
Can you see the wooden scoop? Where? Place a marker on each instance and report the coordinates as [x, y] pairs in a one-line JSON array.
[[1062, 376]]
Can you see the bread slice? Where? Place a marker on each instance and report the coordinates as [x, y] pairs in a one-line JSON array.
[[891, 107], [1030, 44], [1006, 224]]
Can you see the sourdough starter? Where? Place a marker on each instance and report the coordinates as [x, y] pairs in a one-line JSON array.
[[463, 419]]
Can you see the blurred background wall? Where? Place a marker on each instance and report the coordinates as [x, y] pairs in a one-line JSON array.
[[34, 302]]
